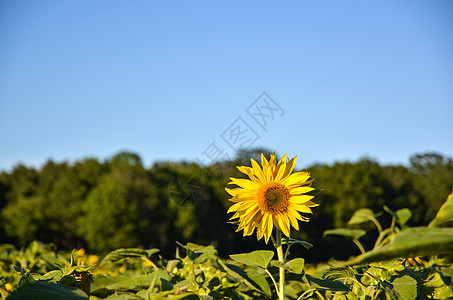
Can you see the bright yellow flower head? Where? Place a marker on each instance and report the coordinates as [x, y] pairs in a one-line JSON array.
[[272, 196]]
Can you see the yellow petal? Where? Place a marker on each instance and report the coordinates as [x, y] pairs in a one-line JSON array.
[[254, 221], [273, 165], [264, 161], [243, 169], [295, 213], [293, 220], [233, 208], [300, 177], [289, 167], [297, 184], [283, 223], [244, 183], [280, 169], [300, 190], [258, 171], [235, 216], [267, 168], [302, 208], [240, 192], [311, 204], [250, 213], [259, 231], [241, 206], [249, 172], [286, 223], [300, 199], [268, 225]]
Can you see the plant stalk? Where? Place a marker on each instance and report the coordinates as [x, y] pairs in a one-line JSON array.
[[281, 294], [359, 245]]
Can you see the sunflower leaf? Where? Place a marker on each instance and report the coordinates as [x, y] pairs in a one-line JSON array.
[[444, 217], [47, 290], [246, 277], [361, 216], [122, 253], [294, 266], [411, 242], [404, 214], [292, 241], [353, 234], [405, 287], [326, 284], [260, 258]]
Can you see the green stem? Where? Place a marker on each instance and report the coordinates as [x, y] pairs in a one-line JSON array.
[[359, 245], [319, 295], [377, 224], [381, 237], [273, 280], [281, 294], [286, 252], [306, 292]]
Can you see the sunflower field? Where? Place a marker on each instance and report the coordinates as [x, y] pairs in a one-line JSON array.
[[401, 262], [406, 263]]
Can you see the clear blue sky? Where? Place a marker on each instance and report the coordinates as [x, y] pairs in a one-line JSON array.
[[165, 79]]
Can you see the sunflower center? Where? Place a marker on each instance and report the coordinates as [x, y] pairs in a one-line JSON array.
[[273, 198]]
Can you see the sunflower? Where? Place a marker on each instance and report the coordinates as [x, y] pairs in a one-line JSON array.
[[272, 195]]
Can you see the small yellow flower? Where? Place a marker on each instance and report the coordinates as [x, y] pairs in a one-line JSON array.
[[147, 263], [81, 252], [272, 195], [415, 261], [8, 286], [93, 259], [122, 269]]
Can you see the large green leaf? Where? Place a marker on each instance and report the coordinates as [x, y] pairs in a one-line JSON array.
[[260, 258], [403, 214], [444, 217], [132, 283], [100, 283], [185, 296], [338, 273], [326, 284], [121, 253], [198, 253], [240, 275], [52, 276], [258, 276], [360, 216], [42, 290], [128, 296], [411, 242], [294, 266], [139, 282], [350, 233], [405, 287]]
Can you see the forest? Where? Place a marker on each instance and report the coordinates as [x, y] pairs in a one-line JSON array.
[[118, 203]]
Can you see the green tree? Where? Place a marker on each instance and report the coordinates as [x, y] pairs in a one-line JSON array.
[[112, 215], [21, 212], [433, 180]]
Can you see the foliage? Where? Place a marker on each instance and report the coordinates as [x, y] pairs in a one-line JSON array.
[[387, 271], [119, 202]]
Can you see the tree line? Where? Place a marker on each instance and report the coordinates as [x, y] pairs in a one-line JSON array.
[[104, 205]]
